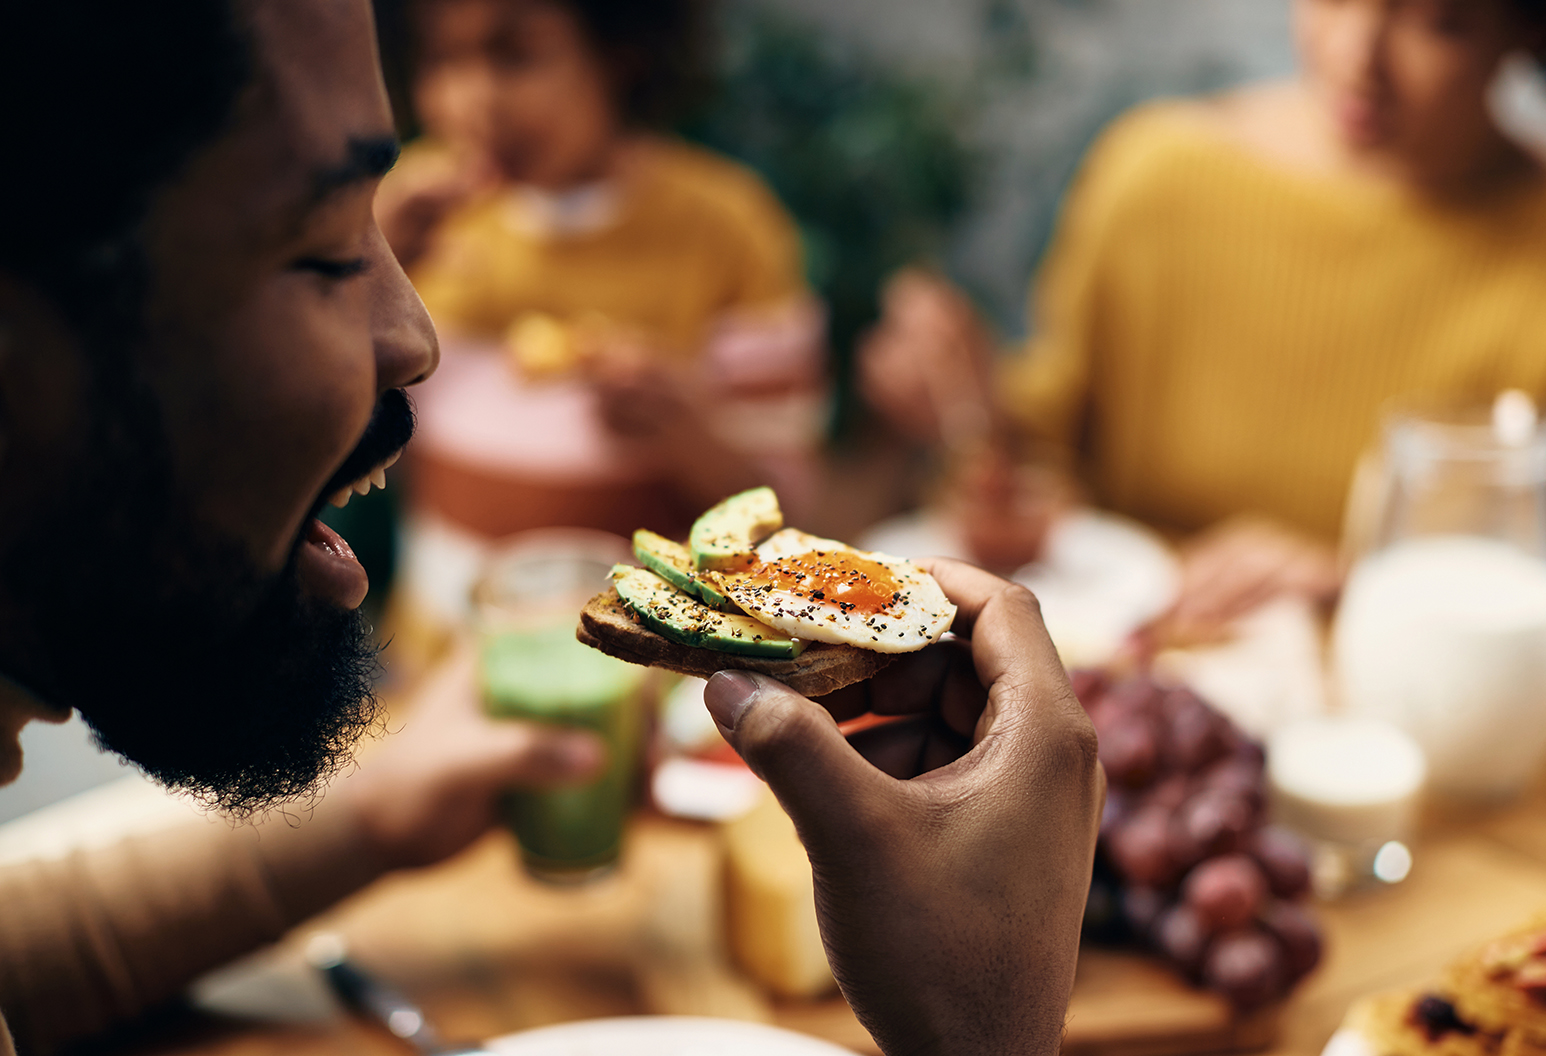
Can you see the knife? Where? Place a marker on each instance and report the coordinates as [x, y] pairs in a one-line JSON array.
[[370, 997]]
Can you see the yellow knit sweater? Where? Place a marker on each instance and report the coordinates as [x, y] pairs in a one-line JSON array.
[[1218, 335], [696, 235]]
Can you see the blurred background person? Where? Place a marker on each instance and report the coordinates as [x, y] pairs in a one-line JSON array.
[[636, 303], [1238, 284]]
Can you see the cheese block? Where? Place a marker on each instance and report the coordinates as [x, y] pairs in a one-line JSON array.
[[770, 901]]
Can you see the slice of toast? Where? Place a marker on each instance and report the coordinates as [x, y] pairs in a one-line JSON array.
[[607, 624]]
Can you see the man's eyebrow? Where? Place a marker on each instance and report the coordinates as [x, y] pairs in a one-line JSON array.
[[366, 159]]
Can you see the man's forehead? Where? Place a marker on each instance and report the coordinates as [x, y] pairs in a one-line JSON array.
[[316, 118], [313, 126]]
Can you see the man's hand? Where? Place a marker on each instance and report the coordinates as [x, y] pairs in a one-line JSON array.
[[430, 788], [950, 887]]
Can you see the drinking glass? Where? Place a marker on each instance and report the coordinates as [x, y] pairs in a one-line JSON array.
[[532, 668]]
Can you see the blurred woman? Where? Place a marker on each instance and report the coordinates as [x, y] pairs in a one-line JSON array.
[[1238, 284], [628, 333]]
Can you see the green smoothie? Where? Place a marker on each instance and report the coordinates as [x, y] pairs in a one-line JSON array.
[[544, 675]]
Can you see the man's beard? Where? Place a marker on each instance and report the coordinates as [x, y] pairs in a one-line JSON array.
[[212, 676]]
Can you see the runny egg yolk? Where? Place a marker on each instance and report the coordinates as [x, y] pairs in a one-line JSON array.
[[853, 583]]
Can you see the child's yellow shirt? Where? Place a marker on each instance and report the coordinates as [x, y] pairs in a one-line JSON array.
[[684, 237]]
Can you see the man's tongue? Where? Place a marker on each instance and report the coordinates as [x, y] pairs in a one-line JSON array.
[[328, 569]]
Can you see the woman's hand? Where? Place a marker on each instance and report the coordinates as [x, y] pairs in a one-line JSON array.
[[430, 788], [927, 364], [1004, 510], [950, 887], [1240, 565]]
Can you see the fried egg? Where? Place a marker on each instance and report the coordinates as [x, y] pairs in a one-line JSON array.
[[825, 591]]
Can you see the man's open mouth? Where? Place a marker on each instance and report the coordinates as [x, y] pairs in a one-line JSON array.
[[390, 429], [376, 478], [325, 563]]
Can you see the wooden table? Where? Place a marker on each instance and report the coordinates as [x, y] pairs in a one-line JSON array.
[[487, 951]]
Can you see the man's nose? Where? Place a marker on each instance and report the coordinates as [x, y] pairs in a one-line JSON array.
[[407, 350]]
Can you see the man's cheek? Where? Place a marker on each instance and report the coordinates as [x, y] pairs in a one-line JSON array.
[[300, 392]]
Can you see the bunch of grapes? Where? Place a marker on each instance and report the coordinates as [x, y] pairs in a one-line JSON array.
[[1187, 864]]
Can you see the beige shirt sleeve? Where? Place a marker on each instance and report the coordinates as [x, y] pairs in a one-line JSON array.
[[101, 936]]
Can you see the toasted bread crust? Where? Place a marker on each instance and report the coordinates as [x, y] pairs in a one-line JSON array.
[[607, 625]]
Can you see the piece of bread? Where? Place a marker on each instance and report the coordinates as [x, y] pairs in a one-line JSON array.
[[607, 624]]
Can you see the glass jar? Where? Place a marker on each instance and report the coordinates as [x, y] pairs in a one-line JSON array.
[[1442, 625]]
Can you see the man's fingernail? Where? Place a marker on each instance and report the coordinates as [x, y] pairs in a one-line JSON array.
[[728, 695]]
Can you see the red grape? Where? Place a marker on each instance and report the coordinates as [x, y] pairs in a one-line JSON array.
[[1120, 805], [1134, 694], [1141, 906], [1180, 935], [1246, 966], [1137, 849], [1226, 892], [1245, 748], [1129, 745], [1284, 859], [1088, 683], [1169, 793], [1194, 733], [1187, 800], [1238, 775], [1212, 822], [1295, 929]]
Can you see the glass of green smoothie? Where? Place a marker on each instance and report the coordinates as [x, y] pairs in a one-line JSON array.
[[533, 669]]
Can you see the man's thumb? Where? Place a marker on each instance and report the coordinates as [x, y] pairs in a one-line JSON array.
[[795, 746]]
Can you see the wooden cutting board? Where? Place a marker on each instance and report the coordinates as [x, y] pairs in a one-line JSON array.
[[1123, 1005]]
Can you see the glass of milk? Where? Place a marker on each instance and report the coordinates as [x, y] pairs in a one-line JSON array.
[[1442, 626]]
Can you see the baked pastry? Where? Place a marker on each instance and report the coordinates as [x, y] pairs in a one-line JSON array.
[[1409, 1023], [1501, 987], [1492, 1003]]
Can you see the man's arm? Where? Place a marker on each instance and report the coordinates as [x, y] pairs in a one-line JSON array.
[[100, 936], [950, 887]]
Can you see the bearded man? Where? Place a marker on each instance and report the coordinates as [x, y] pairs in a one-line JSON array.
[[203, 336]]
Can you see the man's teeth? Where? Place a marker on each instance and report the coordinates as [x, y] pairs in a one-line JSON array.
[[376, 477]]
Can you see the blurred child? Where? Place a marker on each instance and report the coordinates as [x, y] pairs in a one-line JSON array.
[[1239, 284], [627, 334]]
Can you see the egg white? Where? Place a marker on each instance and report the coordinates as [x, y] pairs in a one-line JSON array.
[[919, 616]]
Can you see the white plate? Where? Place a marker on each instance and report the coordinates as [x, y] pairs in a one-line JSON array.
[[662, 1036], [1100, 578]]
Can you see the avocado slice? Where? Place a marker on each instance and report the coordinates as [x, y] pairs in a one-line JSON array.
[[725, 537], [687, 621], [672, 562]]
